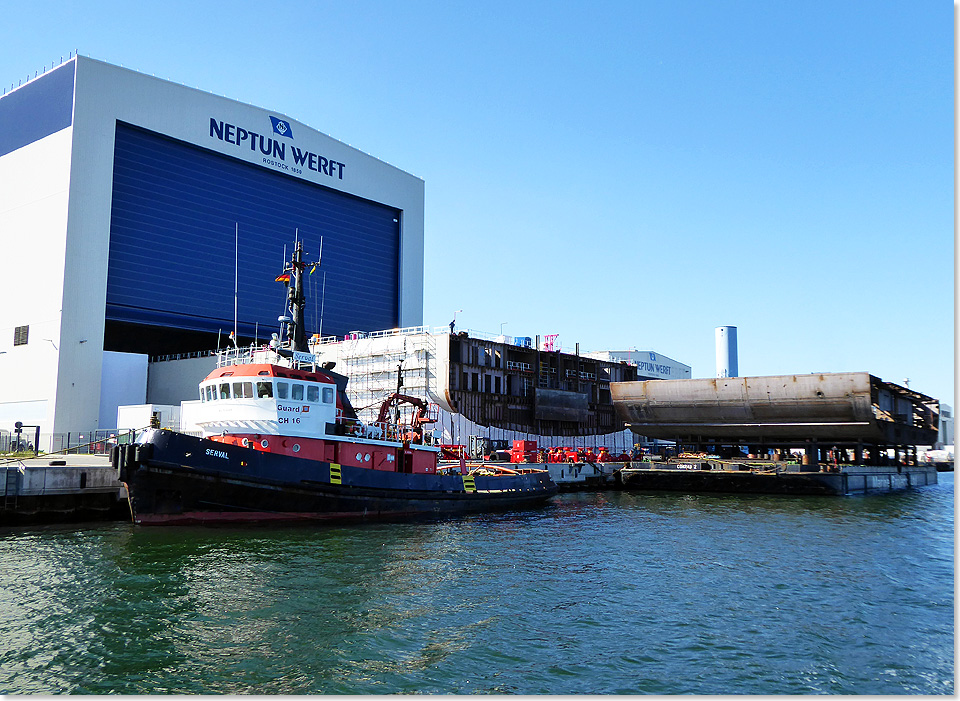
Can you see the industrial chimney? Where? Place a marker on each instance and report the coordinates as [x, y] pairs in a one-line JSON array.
[[727, 351]]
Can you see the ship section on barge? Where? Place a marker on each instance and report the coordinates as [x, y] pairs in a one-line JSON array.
[[823, 433]]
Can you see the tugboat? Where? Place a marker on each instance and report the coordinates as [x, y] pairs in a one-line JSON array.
[[281, 442]]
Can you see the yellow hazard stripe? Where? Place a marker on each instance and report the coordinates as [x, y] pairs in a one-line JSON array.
[[468, 484], [334, 473]]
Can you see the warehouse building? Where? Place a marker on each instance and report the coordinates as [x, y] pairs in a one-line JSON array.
[[140, 217]]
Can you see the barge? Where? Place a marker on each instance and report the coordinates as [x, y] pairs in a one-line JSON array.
[[830, 433], [685, 475]]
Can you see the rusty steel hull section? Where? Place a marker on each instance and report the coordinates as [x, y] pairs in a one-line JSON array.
[[827, 407]]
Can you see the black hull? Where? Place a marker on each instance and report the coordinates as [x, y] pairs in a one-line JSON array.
[[177, 479]]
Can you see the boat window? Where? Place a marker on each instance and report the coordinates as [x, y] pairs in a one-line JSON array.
[[247, 390], [313, 393], [328, 395], [237, 390], [296, 393], [283, 390], [264, 390], [211, 392], [225, 391]]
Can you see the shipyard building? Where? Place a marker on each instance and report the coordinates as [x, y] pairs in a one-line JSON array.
[[143, 218], [502, 387]]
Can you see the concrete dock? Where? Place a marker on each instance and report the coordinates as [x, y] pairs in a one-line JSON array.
[[60, 489], [579, 476]]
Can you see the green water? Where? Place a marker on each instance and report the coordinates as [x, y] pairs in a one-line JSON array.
[[596, 593]]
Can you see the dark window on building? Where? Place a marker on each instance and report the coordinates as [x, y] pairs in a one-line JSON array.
[[476, 382], [20, 335], [496, 385], [486, 383]]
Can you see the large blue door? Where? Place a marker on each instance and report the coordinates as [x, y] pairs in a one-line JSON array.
[[172, 255]]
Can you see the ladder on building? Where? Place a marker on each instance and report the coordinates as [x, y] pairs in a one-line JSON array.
[[11, 487]]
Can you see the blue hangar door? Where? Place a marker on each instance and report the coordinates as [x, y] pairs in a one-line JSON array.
[[170, 280]]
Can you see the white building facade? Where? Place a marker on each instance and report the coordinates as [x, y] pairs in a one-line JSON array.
[[650, 364], [130, 205]]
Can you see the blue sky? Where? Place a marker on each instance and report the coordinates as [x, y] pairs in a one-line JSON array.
[[624, 174]]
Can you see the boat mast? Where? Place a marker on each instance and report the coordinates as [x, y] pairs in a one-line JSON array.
[[296, 331]]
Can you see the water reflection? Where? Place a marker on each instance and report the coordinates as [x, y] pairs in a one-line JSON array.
[[598, 593]]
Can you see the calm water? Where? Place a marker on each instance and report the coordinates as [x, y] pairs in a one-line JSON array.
[[598, 593]]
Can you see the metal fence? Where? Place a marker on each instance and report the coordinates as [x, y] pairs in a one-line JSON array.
[[95, 442]]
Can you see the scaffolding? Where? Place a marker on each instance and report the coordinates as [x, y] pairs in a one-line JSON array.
[[373, 361]]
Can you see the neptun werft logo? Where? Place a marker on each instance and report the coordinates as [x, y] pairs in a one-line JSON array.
[[281, 127]]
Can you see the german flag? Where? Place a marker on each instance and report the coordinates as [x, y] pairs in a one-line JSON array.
[[284, 278]]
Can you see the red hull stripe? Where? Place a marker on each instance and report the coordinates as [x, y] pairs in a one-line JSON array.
[[196, 517]]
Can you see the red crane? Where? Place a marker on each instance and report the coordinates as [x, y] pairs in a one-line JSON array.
[[425, 414]]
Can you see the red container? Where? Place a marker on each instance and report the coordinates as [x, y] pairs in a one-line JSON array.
[[524, 451]]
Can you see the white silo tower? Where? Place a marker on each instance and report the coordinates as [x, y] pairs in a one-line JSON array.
[[727, 351]]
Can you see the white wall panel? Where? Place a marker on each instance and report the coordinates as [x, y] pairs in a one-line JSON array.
[[124, 382], [34, 190]]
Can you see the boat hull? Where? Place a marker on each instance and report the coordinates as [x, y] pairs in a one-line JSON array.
[[173, 478]]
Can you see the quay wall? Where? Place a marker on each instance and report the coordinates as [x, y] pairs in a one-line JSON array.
[[32, 493]]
